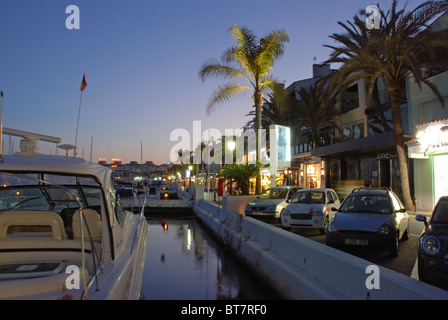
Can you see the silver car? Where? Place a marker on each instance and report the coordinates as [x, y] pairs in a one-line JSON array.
[[369, 217], [271, 202]]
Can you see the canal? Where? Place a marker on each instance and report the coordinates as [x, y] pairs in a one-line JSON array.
[[185, 262]]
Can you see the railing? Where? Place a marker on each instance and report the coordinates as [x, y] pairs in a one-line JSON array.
[[141, 218]]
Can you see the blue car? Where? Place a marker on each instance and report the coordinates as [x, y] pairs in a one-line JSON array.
[[369, 217], [433, 244]]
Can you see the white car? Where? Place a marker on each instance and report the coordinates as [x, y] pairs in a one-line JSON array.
[[310, 208]]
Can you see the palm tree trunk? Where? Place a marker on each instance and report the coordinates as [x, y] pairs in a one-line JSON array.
[[258, 105], [315, 137], [379, 108], [395, 97]]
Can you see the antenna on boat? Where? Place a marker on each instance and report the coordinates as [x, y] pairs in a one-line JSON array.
[[30, 141], [67, 148]]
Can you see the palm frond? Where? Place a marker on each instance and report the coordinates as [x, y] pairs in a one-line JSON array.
[[225, 93], [212, 68]]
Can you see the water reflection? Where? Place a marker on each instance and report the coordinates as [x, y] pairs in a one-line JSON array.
[[185, 263]]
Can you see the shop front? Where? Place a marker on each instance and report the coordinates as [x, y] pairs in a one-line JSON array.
[[368, 161], [429, 152], [313, 171]]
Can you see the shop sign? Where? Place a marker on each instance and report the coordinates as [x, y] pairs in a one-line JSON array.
[[434, 138], [386, 155]]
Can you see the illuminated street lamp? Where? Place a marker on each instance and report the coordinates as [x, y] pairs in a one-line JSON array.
[[231, 146], [190, 168]]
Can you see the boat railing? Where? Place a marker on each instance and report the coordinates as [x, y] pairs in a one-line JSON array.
[[142, 219], [82, 222]]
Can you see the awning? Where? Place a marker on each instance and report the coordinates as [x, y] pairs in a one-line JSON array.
[[374, 143]]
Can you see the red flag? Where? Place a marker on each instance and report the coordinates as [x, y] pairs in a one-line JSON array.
[[83, 83]]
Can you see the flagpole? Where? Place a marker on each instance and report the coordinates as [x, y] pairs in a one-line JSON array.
[[83, 86], [1, 125], [91, 148], [77, 126]]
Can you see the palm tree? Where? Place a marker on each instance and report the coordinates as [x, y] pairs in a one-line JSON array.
[[276, 108], [354, 42], [251, 60], [241, 173], [315, 109], [402, 47]]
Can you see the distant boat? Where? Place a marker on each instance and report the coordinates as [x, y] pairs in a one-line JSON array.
[[64, 233]]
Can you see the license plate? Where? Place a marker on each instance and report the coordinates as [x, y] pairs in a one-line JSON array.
[[357, 242]]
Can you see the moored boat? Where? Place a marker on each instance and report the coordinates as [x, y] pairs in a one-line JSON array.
[[64, 233]]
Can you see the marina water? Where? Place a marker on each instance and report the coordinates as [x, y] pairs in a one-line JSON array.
[[185, 262]]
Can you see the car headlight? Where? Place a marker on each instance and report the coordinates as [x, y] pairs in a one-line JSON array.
[[317, 213], [431, 245], [286, 213], [384, 229], [332, 227], [271, 207]]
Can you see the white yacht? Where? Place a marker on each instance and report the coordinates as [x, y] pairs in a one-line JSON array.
[[63, 232]]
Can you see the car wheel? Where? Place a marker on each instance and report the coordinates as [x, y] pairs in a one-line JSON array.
[[393, 249], [405, 235], [323, 230]]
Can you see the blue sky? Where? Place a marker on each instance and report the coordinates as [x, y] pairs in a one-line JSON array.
[[141, 59]]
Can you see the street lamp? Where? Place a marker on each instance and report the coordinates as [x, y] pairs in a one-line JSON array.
[[231, 146], [190, 168]]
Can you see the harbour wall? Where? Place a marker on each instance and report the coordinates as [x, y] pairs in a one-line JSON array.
[[299, 268]]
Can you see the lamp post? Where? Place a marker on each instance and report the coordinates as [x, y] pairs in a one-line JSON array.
[[190, 168], [231, 146]]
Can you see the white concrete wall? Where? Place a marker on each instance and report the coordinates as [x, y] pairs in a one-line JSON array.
[[300, 268], [236, 203]]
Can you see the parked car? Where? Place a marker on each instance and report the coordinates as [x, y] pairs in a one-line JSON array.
[[369, 217], [271, 202], [310, 208], [432, 256]]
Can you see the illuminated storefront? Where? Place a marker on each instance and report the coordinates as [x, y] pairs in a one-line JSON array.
[[313, 172], [429, 151]]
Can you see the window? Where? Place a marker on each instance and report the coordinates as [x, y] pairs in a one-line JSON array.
[[441, 212], [309, 197], [331, 196], [396, 203], [117, 207], [350, 99], [335, 196]]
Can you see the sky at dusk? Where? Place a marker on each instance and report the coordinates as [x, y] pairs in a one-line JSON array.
[[141, 59]]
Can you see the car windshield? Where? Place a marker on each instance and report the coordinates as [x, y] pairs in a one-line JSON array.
[[440, 214], [22, 193], [309, 197], [362, 203], [274, 193]]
